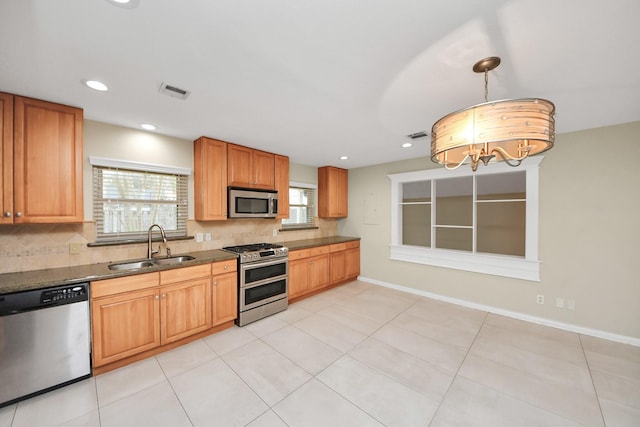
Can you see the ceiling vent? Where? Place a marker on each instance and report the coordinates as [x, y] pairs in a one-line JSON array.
[[174, 92], [417, 135]]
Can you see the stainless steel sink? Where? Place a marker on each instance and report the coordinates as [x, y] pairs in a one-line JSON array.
[[134, 265], [131, 265], [172, 260]]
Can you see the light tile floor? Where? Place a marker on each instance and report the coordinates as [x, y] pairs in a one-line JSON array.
[[361, 355]]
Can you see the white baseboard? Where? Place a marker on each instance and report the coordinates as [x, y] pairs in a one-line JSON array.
[[513, 314]]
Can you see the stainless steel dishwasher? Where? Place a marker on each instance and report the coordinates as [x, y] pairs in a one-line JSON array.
[[44, 340]]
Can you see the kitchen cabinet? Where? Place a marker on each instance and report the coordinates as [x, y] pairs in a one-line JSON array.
[[6, 158], [345, 261], [250, 168], [134, 314], [41, 165], [282, 185], [125, 317], [225, 291], [210, 179], [332, 192], [308, 271], [185, 302]]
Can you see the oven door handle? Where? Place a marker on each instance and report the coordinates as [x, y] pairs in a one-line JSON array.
[[259, 264]]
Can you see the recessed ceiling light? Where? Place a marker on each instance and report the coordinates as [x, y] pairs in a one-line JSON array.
[[407, 145], [96, 85], [344, 158], [147, 126], [127, 4]]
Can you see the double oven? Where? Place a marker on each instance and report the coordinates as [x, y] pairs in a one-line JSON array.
[[263, 287]]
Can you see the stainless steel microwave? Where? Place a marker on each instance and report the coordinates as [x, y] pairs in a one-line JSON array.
[[252, 203]]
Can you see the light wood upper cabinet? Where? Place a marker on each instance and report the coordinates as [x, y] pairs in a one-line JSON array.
[[41, 161], [6, 158], [210, 179], [282, 185], [250, 168], [332, 192]]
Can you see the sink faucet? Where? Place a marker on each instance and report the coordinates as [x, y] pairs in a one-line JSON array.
[[150, 251]]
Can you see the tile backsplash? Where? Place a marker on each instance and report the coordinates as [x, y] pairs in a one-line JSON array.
[[40, 246]]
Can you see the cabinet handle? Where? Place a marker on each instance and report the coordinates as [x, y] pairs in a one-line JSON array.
[[215, 283], [7, 214], [18, 214], [164, 296], [226, 266], [157, 297]]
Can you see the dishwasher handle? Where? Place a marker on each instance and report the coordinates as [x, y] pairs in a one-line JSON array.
[[38, 299]]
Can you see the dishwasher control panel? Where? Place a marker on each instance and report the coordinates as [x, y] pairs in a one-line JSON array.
[[68, 294]]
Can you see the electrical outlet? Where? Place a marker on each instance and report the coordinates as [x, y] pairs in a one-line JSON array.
[[560, 302], [540, 299], [207, 237], [198, 237], [571, 305], [275, 232], [74, 248]]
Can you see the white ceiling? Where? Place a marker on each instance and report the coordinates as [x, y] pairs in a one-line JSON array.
[[319, 79]]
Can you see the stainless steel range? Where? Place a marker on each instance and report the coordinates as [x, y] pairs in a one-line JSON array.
[[263, 270]]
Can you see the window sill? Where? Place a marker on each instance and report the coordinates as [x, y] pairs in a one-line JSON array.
[[134, 241], [497, 265]]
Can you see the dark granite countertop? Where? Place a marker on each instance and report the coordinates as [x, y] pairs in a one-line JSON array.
[[38, 279]]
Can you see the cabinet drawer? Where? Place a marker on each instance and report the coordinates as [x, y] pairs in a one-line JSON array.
[[185, 273], [353, 244], [123, 284], [227, 266], [337, 247], [320, 250], [299, 254]]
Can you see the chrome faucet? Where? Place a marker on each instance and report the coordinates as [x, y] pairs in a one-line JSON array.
[[150, 251]]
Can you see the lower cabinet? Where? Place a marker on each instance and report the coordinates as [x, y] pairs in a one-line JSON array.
[[134, 314], [185, 302], [314, 269], [125, 317], [225, 292], [308, 270]]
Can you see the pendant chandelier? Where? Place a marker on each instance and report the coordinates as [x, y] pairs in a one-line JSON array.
[[507, 130]]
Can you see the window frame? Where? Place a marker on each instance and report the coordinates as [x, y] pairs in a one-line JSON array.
[[126, 165], [314, 207], [526, 268]]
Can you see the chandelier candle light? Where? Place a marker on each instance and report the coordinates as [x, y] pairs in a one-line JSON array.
[[507, 130]]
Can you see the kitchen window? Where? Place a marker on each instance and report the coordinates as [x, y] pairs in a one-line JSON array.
[[302, 202], [484, 221], [128, 197]]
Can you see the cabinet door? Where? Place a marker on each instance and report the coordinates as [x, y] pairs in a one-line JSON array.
[[263, 165], [225, 298], [239, 166], [124, 325], [47, 162], [185, 309], [338, 266], [318, 272], [6, 158], [332, 192], [282, 185], [352, 261], [298, 277], [210, 179]]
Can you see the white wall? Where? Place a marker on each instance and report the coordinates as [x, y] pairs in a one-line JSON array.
[[589, 234]]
